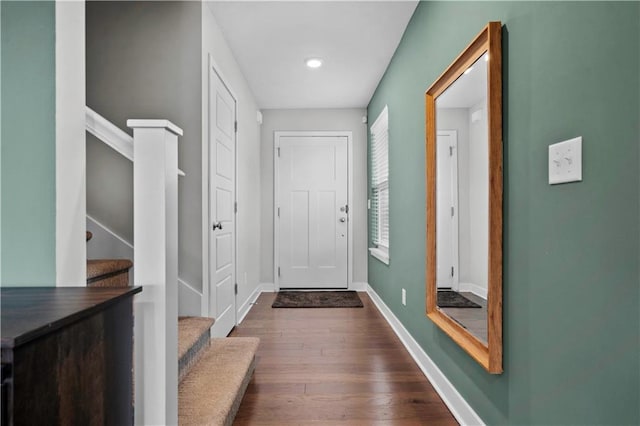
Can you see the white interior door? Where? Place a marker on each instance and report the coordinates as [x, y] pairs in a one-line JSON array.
[[222, 172], [312, 211], [447, 209]]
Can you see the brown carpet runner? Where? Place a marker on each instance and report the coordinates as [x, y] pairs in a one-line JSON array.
[[453, 299], [317, 299]]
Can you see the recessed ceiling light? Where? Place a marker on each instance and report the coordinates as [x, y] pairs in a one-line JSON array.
[[314, 62], [468, 70]]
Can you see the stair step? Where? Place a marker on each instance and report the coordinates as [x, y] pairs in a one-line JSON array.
[[212, 391], [193, 338], [108, 272]]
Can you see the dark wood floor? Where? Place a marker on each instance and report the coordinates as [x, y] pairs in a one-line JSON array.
[[333, 366]]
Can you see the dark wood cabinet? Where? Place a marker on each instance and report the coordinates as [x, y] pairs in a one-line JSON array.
[[67, 355]]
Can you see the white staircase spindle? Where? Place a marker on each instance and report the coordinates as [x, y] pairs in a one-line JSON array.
[[155, 224]]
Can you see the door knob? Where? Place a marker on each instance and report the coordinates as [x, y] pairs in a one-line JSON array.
[[342, 219], [217, 226]]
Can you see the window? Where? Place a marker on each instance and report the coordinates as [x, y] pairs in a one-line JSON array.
[[380, 187]]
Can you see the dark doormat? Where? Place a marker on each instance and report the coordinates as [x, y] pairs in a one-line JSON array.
[[317, 299], [453, 299]]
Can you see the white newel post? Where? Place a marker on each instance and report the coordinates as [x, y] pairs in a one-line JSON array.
[[155, 233]]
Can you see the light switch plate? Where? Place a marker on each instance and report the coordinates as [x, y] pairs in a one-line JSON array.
[[565, 161]]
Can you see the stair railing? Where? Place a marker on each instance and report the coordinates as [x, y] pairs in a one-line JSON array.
[[154, 152]]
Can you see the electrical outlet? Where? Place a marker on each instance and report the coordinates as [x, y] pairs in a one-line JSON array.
[[404, 297]]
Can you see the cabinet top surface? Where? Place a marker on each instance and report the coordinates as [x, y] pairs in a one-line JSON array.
[[30, 312]]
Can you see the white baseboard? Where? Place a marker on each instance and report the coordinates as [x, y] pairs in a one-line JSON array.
[[189, 299], [104, 238], [460, 409], [106, 244], [473, 288], [246, 306], [359, 286]]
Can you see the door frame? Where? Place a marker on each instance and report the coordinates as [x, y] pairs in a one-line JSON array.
[[455, 279], [276, 195], [206, 192]]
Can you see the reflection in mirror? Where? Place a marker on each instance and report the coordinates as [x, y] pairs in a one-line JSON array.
[[462, 199]]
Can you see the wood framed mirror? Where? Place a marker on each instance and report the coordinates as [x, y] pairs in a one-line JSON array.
[[464, 199]]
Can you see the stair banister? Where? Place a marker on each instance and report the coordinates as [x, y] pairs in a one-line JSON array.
[[110, 134], [155, 228], [153, 149]]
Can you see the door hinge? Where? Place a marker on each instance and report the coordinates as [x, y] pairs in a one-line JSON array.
[[278, 211], [278, 271], [450, 151], [452, 271], [452, 211], [235, 126], [278, 151], [346, 208], [235, 288], [235, 207]]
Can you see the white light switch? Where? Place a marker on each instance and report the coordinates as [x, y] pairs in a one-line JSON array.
[[565, 161]]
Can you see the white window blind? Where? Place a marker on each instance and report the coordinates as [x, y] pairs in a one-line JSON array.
[[380, 182]]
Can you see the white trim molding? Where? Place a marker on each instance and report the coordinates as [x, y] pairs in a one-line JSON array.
[[380, 254], [189, 299], [70, 149], [460, 409], [244, 309]]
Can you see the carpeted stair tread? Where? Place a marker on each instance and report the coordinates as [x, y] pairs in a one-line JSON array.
[[212, 391], [193, 339], [108, 272], [99, 267]]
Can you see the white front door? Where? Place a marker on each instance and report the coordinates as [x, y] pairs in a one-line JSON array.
[[312, 211], [447, 209], [222, 172]]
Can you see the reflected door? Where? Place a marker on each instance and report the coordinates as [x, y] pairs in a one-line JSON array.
[[447, 209], [312, 212]]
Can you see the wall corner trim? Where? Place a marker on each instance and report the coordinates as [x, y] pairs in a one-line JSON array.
[[460, 409]]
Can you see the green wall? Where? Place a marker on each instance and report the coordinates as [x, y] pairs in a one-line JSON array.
[[571, 278], [28, 143]]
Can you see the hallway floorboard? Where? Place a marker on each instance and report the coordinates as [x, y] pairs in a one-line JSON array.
[[333, 366]]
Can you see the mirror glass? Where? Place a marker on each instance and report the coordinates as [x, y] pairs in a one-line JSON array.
[[462, 199]]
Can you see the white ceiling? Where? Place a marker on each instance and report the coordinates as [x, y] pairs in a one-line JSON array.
[[271, 40]]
